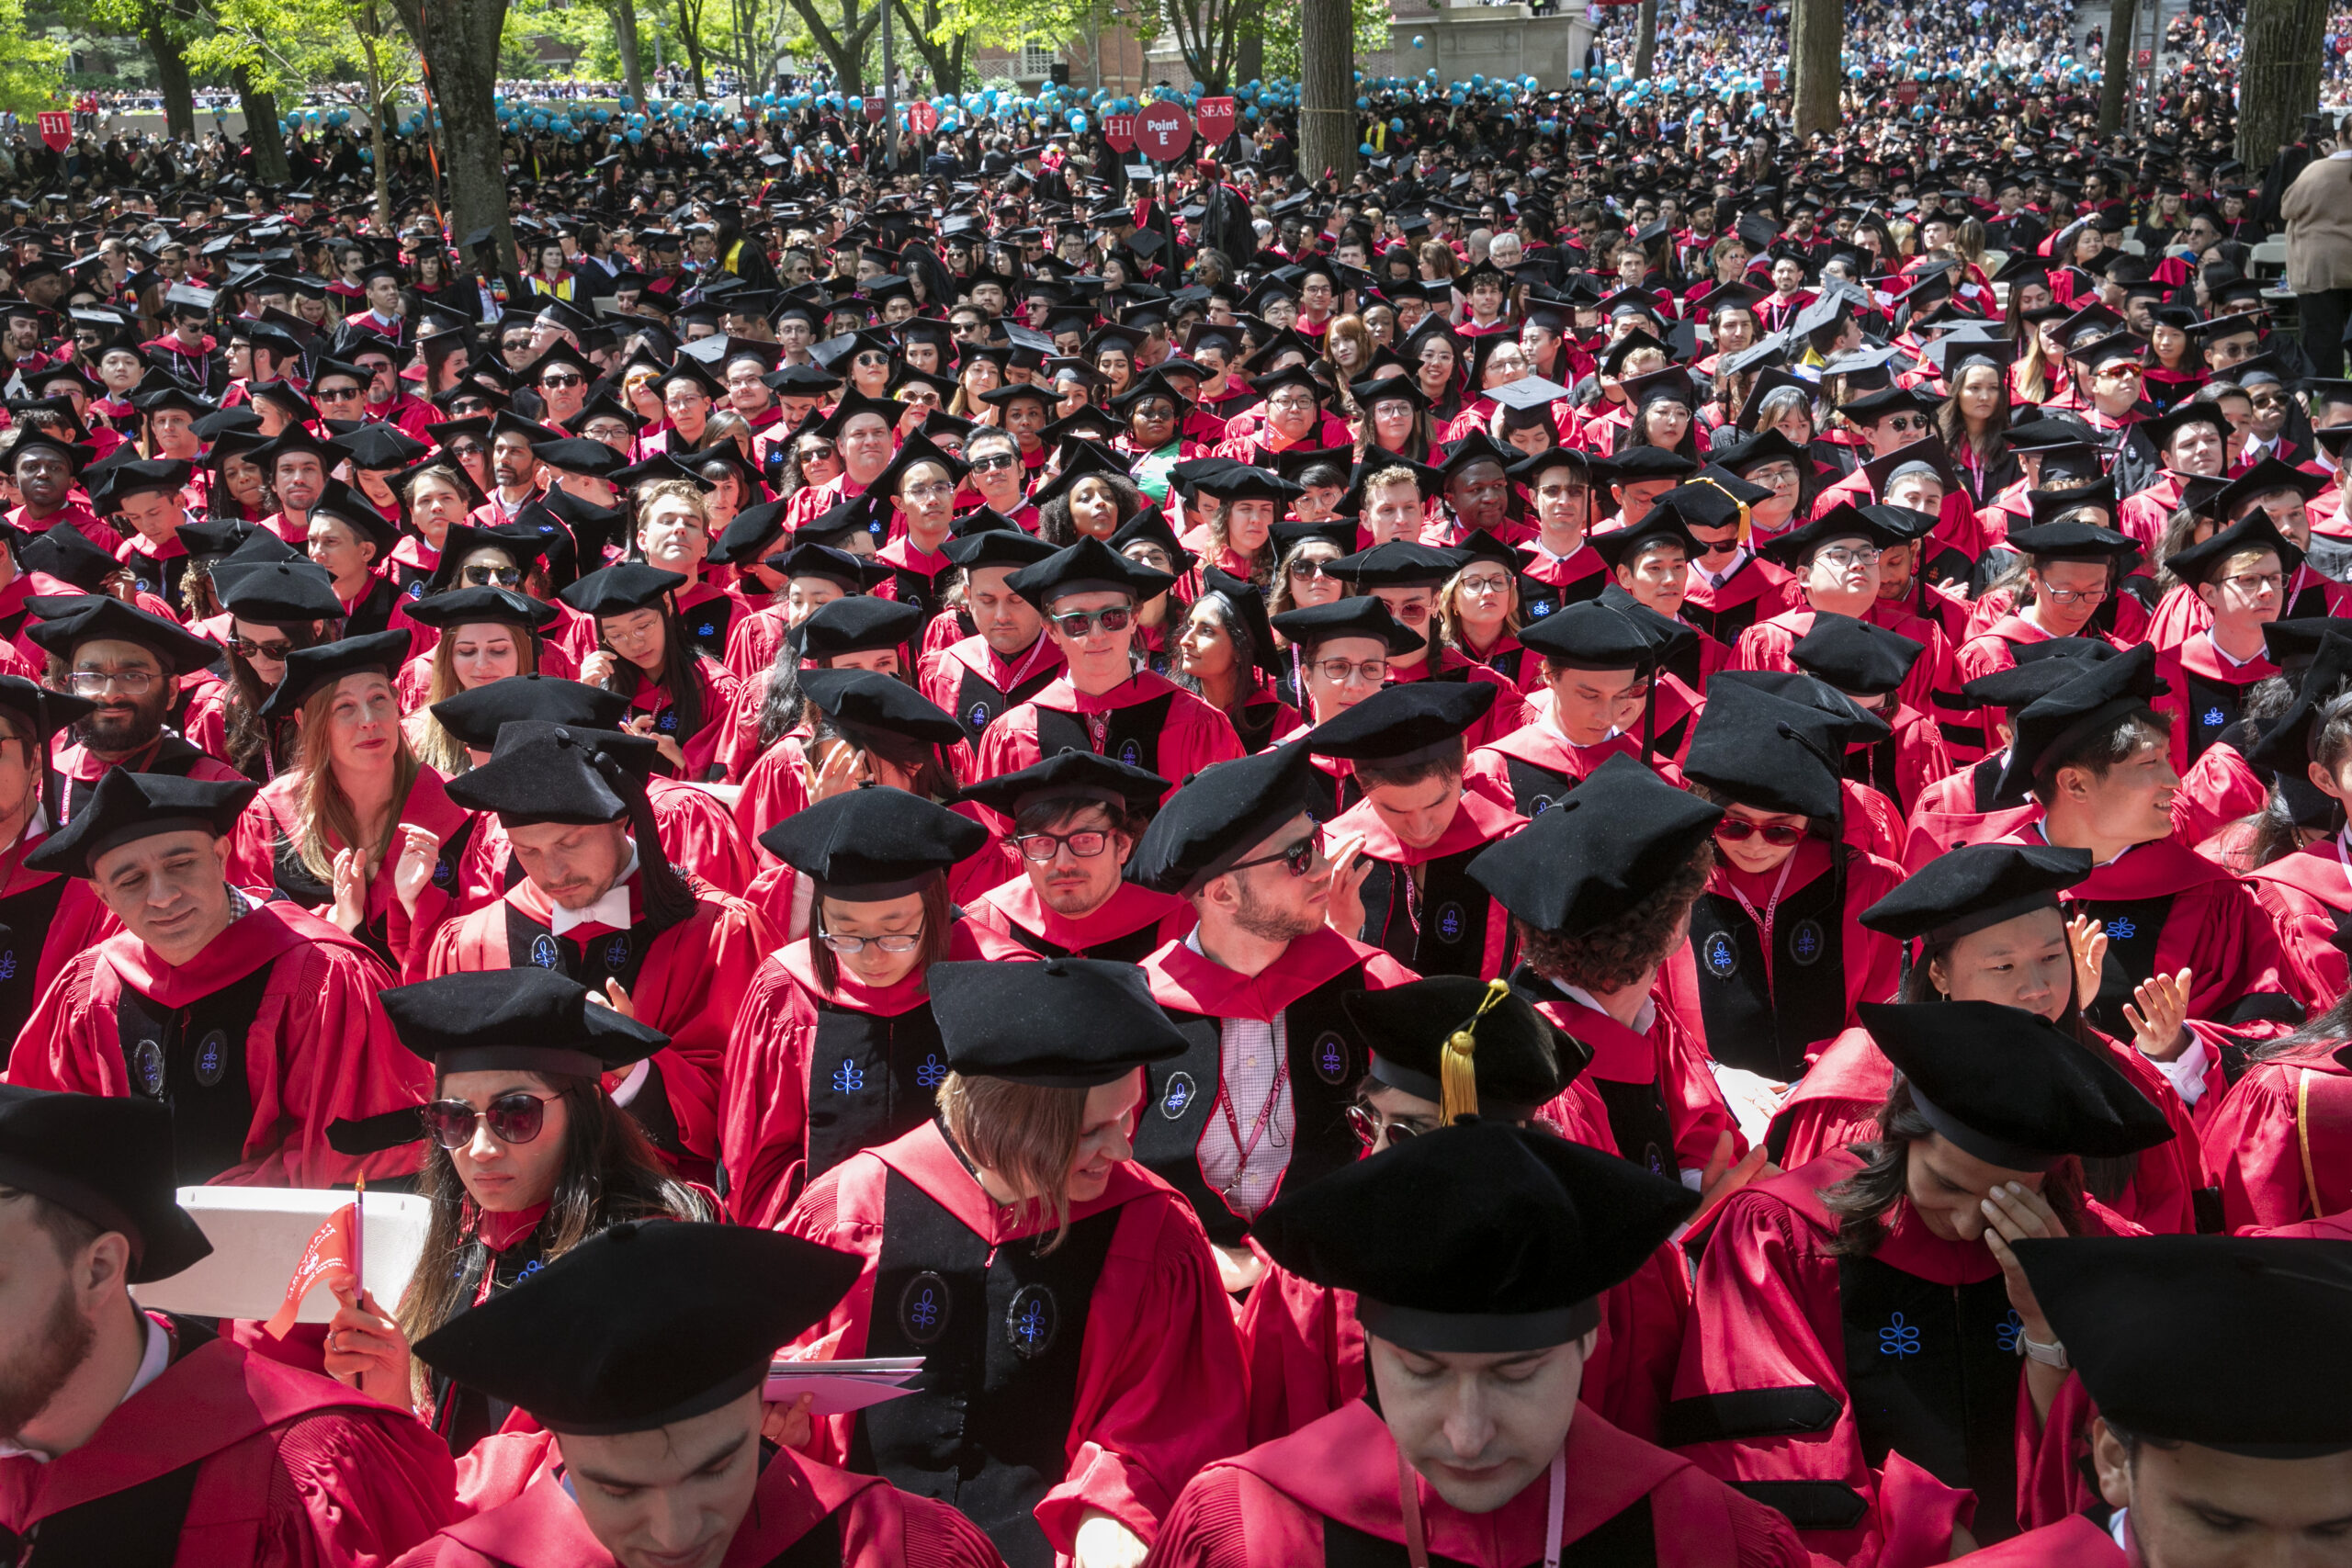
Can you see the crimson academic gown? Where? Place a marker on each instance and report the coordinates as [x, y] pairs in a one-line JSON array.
[[1548, 582], [685, 979], [803, 1512], [1126, 926], [230, 1458], [1837, 1104], [1329, 1494], [258, 1043], [1758, 591], [170, 754], [1928, 689], [972, 680], [2075, 1541], [1325, 1057], [1765, 990], [1868, 1398], [45, 919], [1147, 721], [1664, 1111], [2204, 692], [2308, 896], [2279, 1144], [718, 692], [1103, 1374], [266, 851], [1532, 767], [1450, 663], [2167, 908], [814, 1074], [1421, 904], [1961, 808]]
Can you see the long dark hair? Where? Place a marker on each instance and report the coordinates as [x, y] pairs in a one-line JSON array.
[[681, 673], [258, 748], [1861, 1202], [938, 923], [610, 1173], [1246, 650]]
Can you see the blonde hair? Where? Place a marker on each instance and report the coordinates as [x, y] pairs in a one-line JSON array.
[[327, 813], [436, 747], [1026, 1134], [1449, 605], [684, 492]]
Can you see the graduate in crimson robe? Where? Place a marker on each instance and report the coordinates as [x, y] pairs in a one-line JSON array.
[[2279, 1139], [1080, 1361], [257, 1023], [1989, 928], [2092, 752], [2206, 676], [644, 1350], [1304, 1346], [1415, 830], [1898, 751], [612, 914], [1777, 962], [1970, 807], [1599, 895], [49, 916], [1858, 1320], [1478, 1255], [159, 1442], [1597, 666], [1102, 702], [988, 672], [1260, 1096], [835, 1047], [1065, 902], [2307, 892], [2201, 1453]]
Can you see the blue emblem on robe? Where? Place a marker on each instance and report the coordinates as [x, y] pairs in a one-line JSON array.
[[1177, 1098], [1450, 921], [1030, 1323], [1898, 1339], [1805, 944], [1331, 1058], [924, 1307], [849, 1077], [1722, 955], [933, 1072], [543, 951]]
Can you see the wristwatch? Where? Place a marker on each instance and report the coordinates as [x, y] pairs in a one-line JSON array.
[[2048, 1355]]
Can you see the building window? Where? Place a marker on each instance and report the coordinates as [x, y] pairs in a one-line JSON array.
[[1036, 58]]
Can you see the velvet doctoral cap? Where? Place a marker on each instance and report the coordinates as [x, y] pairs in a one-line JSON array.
[[1601, 848], [106, 1160], [1219, 815], [1063, 1023]]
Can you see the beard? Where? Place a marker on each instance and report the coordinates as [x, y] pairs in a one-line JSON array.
[[117, 731], [29, 1382], [1268, 923]]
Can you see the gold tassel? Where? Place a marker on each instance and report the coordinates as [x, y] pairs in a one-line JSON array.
[[1457, 1064]]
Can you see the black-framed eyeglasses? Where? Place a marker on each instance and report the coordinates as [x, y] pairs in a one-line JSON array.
[[515, 1118], [1300, 857], [1086, 844]]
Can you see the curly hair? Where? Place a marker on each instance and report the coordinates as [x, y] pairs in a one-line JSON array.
[[1620, 951]]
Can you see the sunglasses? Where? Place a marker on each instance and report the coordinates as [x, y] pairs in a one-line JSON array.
[[563, 380], [992, 463], [1079, 623], [1367, 1126], [343, 395], [275, 652], [1780, 835], [514, 1117], [817, 453], [491, 576], [1300, 857]]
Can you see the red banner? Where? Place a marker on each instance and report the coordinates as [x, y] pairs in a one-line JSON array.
[[57, 128], [1119, 130], [1217, 116], [923, 117], [1771, 80], [1907, 92], [875, 110], [1164, 131]]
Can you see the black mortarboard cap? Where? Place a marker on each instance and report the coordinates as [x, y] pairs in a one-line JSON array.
[[309, 669], [101, 617], [2011, 1088], [1480, 1238], [2101, 693], [525, 1018], [476, 717], [481, 606], [1519, 1060], [1358, 614], [1089, 565], [1602, 848], [868, 845], [618, 589], [1977, 886], [1401, 725], [1219, 815], [1854, 656], [1063, 1023], [645, 1325], [104, 1160], [127, 807], [2256, 531], [1766, 751]]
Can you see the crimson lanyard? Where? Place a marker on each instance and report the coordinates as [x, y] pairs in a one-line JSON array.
[[1412, 899], [1265, 1120], [1764, 922]]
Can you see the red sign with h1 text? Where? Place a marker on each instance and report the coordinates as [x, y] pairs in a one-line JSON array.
[[57, 128]]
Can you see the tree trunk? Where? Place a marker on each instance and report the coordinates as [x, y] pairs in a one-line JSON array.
[[459, 45], [2115, 85], [1646, 44], [632, 69], [844, 47], [1816, 40], [2278, 76], [1249, 59], [1327, 63], [690, 35], [171, 79], [262, 132]]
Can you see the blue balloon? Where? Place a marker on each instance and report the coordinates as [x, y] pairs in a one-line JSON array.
[[636, 136], [1366, 148], [741, 127], [1077, 123], [1398, 126], [1364, 103], [1419, 43], [1250, 113]]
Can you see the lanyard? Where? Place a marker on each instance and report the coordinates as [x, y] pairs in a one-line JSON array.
[[1417, 1545], [1265, 1118], [2343, 858], [1764, 922]]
